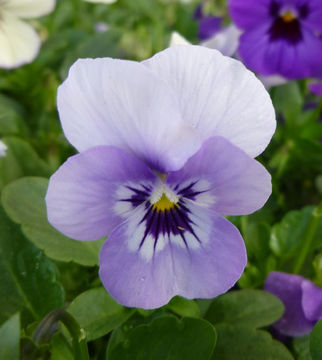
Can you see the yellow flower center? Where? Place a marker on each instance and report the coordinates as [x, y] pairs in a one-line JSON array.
[[164, 204], [288, 16]]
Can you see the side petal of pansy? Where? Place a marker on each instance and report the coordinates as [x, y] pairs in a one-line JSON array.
[[218, 95], [148, 274], [312, 300], [123, 103], [85, 199], [288, 288], [29, 8], [227, 179], [19, 42]]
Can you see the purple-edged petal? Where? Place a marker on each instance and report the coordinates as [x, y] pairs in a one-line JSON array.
[[288, 288], [218, 96], [312, 301], [316, 88], [209, 26], [247, 14], [82, 197], [227, 179], [122, 103], [150, 276]]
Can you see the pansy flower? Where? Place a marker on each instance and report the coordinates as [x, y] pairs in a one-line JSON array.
[[3, 149], [166, 147], [280, 36], [19, 42], [302, 301], [316, 88]]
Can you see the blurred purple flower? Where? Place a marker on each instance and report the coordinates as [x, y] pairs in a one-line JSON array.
[[208, 26], [280, 36], [167, 145], [316, 88], [302, 300]]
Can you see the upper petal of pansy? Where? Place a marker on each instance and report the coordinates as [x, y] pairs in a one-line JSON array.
[[29, 8], [91, 192], [312, 300], [223, 177], [247, 14], [122, 103], [287, 287], [218, 95], [147, 271], [19, 42]]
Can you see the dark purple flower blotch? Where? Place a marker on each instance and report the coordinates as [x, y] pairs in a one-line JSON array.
[[302, 300], [166, 146]]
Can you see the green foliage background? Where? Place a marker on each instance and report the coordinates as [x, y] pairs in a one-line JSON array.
[[42, 270]]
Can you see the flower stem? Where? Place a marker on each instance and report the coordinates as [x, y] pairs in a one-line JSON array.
[[48, 326], [307, 242]]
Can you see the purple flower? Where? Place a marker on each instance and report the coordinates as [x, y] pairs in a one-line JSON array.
[[280, 36], [166, 146], [316, 88], [302, 300], [208, 26]]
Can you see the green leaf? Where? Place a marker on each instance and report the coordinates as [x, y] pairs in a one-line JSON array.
[[287, 99], [20, 160], [167, 338], [60, 348], [98, 313], [288, 235], [248, 307], [316, 341], [9, 338], [28, 280], [301, 347], [24, 201], [184, 307], [244, 343], [11, 121]]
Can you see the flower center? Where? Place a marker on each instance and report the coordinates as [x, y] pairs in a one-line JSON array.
[[164, 204], [288, 16]]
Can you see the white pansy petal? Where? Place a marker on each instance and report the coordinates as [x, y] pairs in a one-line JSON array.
[[19, 42], [29, 8], [218, 95], [122, 103], [3, 149], [177, 39]]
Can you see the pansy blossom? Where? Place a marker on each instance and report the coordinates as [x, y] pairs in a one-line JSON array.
[[19, 42], [302, 301], [280, 37], [166, 147]]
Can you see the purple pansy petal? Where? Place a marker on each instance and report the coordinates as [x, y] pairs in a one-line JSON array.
[[208, 26], [218, 96], [288, 288], [312, 301], [313, 19], [279, 57], [150, 276], [316, 88], [122, 103], [229, 180], [82, 194], [247, 14]]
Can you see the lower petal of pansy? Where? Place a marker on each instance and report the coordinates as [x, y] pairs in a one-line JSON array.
[[151, 258], [91, 192], [19, 42]]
